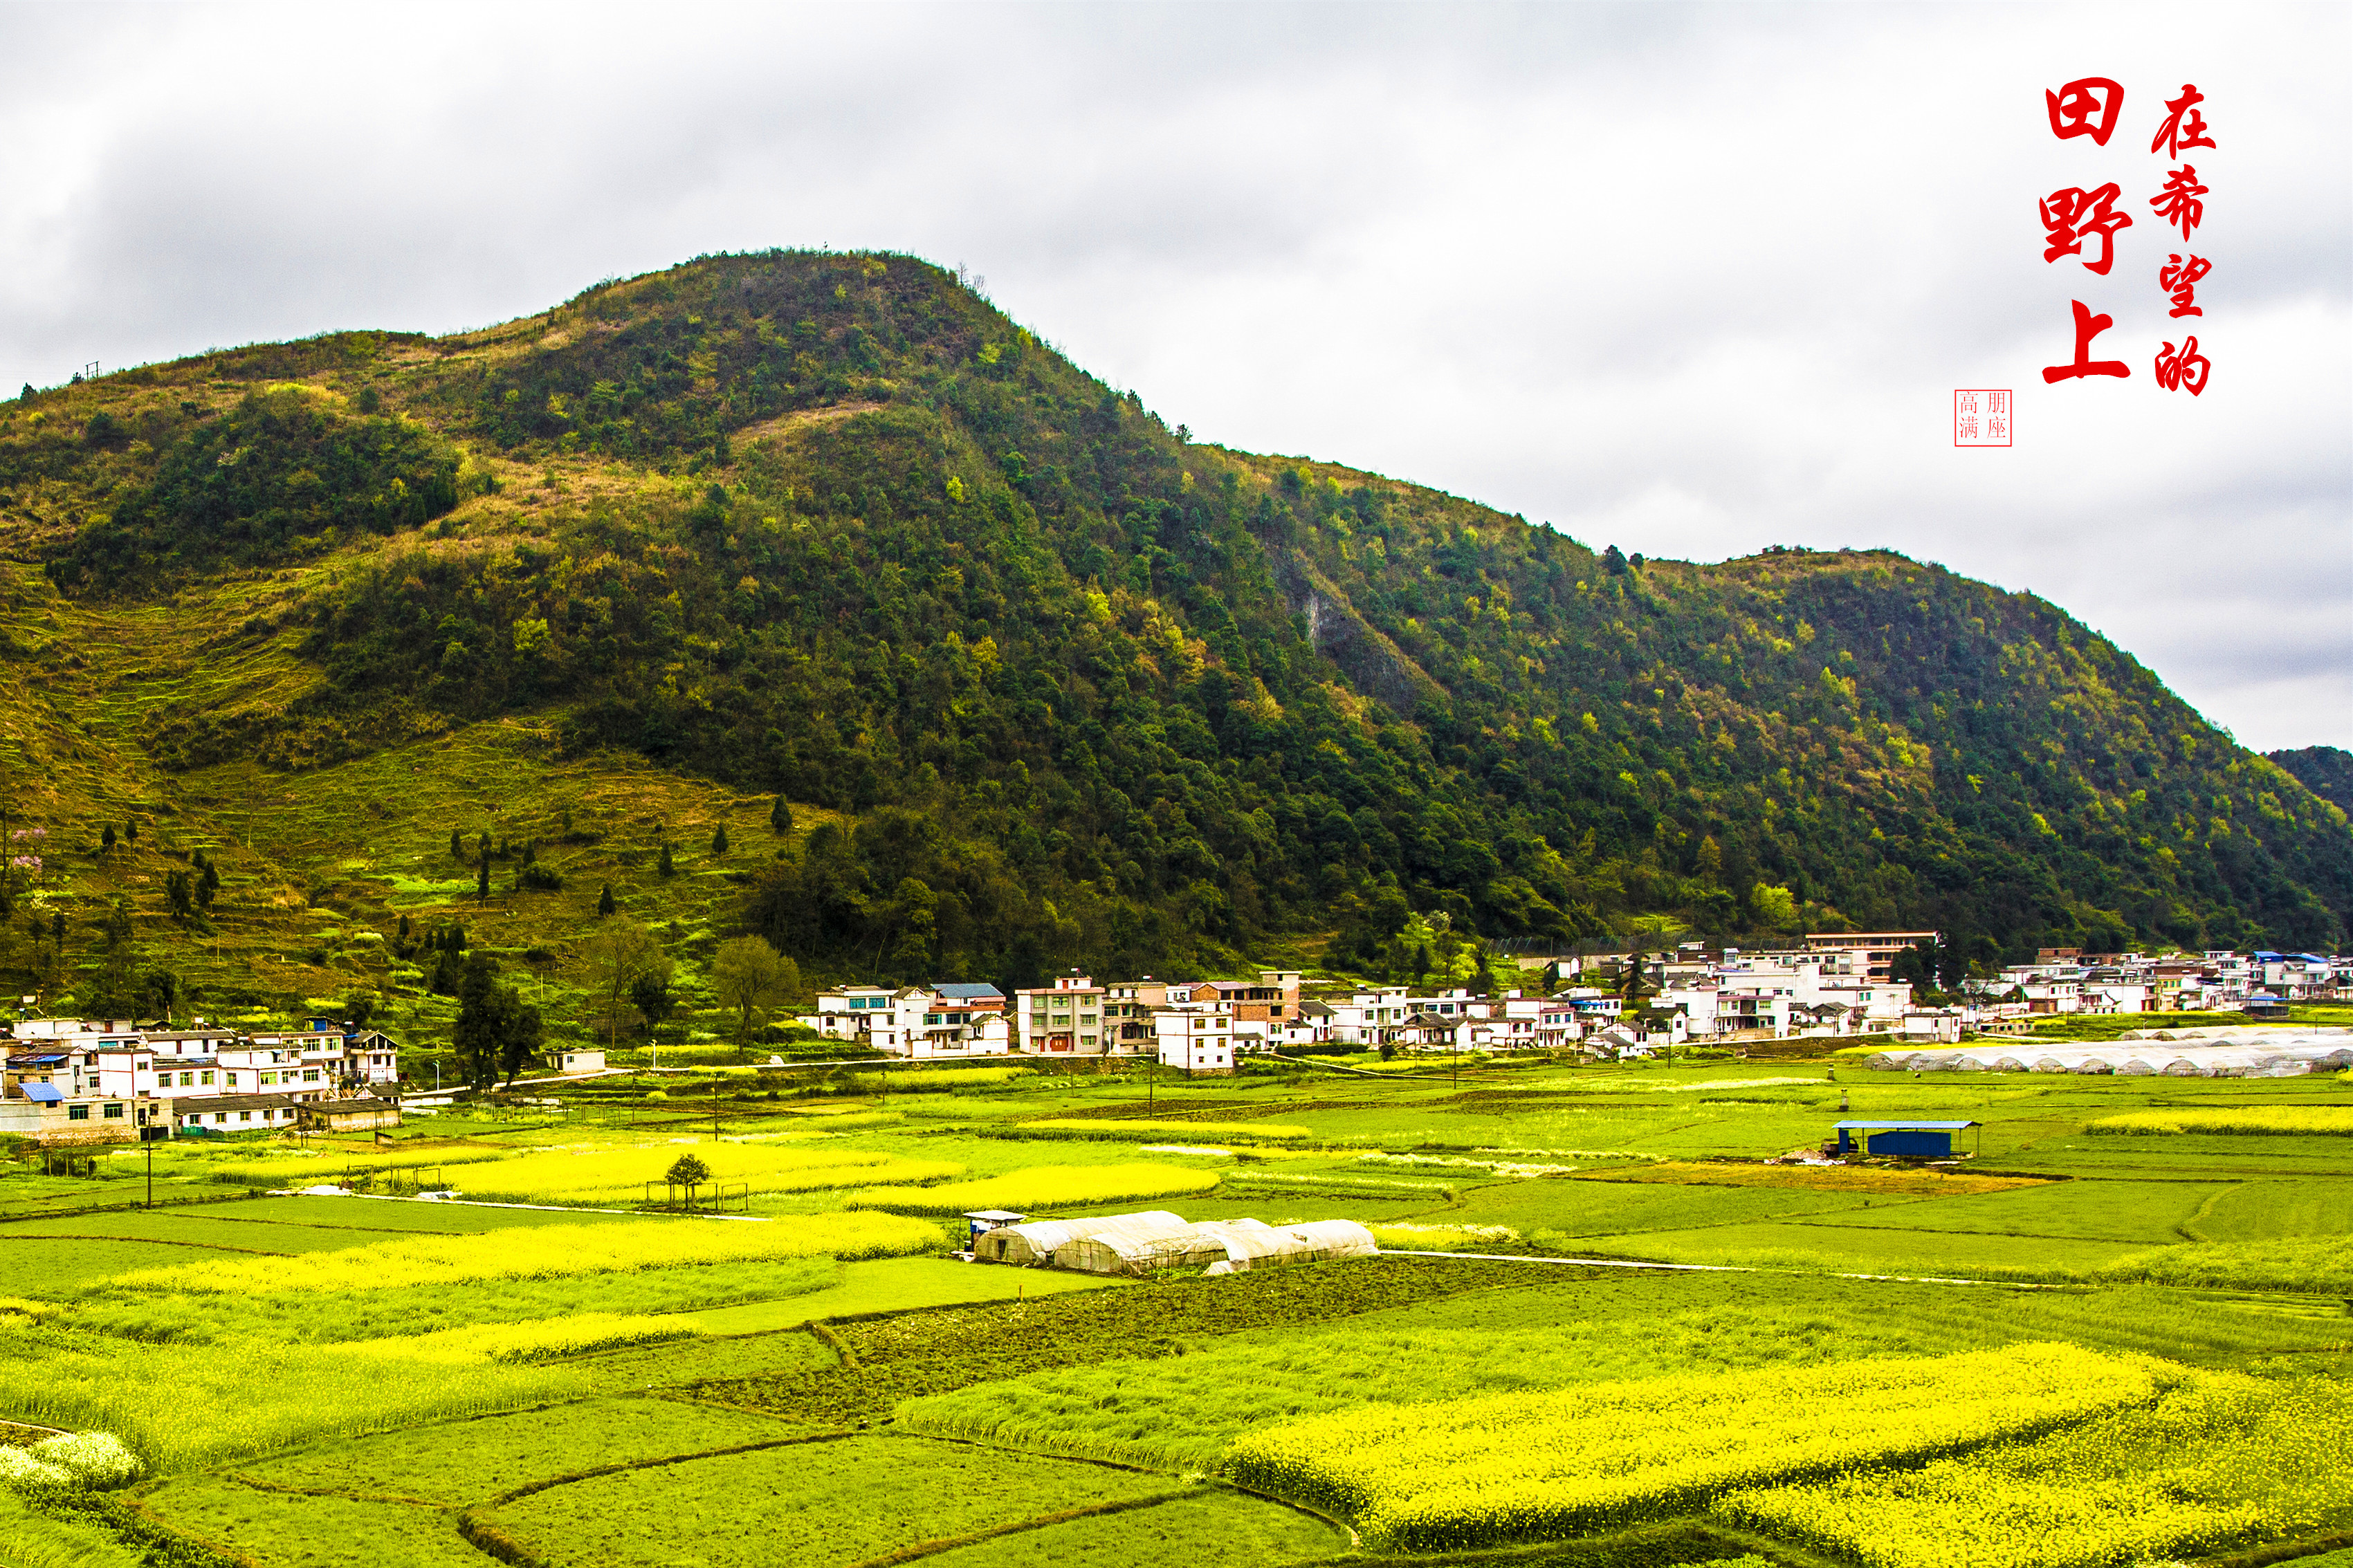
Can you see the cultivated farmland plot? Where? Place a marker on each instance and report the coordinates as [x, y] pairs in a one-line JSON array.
[[2118, 1336]]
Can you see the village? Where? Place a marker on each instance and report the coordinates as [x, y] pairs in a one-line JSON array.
[[76, 1081]]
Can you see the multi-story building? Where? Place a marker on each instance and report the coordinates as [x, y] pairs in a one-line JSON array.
[[1195, 1036], [917, 1022], [1874, 951], [1064, 1018]]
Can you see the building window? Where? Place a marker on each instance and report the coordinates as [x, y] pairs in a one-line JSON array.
[[207, 1078], [77, 1113], [114, 1112], [310, 1075]]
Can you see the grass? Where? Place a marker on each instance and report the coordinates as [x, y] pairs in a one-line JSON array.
[[280, 1530], [1185, 1411], [32, 1539], [1043, 1187], [324, 1318], [935, 1353], [1855, 1249], [2081, 1210], [1129, 1129], [1212, 1528], [819, 1502], [475, 1460], [243, 1398]]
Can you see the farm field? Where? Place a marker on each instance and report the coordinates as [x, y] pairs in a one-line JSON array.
[[2080, 1347]]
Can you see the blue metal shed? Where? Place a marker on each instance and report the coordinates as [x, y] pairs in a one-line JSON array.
[[1909, 1140]]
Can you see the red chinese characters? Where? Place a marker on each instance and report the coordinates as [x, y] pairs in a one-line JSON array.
[[2076, 215], [2179, 279], [2185, 127], [2071, 216], [2179, 203], [2087, 327], [2088, 106], [2184, 372]]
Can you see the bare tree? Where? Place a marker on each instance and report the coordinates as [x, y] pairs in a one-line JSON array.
[[752, 978], [613, 961]]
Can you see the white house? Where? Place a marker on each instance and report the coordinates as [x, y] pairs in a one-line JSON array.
[[1198, 1036]]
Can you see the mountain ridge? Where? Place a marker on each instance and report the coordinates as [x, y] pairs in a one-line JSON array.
[[1045, 683]]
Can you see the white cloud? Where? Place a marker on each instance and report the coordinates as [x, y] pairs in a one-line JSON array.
[[1688, 279]]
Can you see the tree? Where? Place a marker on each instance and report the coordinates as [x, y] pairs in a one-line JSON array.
[[106, 840], [612, 961], [117, 990], [359, 1007], [605, 904], [1654, 934], [650, 995], [457, 844], [482, 876], [664, 866], [180, 896], [475, 1034], [521, 1033], [752, 979], [687, 1171], [497, 1033], [207, 887], [161, 989], [719, 840], [131, 834], [780, 818]]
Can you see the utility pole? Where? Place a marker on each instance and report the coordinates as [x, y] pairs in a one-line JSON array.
[[150, 1168], [715, 1111]]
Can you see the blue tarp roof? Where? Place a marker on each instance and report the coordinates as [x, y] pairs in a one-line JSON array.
[[1902, 1126], [48, 1093]]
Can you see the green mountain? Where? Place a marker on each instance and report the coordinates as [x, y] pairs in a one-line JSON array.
[[2326, 771], [1043, 681]]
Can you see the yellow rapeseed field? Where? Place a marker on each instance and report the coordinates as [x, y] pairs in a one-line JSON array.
[[2252, 1121], [546, 1252], [2213, 1464], [1496, 1468], [591, 1174]]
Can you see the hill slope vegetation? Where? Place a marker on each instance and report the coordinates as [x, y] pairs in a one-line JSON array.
[[1044, 681]]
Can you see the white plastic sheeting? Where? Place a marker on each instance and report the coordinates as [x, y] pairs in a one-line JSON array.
[[2246, 1052], [1239, 1244], [1036, 1242]]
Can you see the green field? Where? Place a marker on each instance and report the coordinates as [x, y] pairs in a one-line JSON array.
[[840, 1409]]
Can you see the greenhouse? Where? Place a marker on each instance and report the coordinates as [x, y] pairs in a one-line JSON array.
[[2143, 1053], [1035, 1242], [1238, 1244]]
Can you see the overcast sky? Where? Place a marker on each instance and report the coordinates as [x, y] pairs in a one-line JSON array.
[[1688, 279]]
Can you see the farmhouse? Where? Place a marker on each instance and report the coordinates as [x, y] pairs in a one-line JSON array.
[[76, 1081]]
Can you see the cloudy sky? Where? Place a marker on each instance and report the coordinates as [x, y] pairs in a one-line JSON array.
[[1688, 279]]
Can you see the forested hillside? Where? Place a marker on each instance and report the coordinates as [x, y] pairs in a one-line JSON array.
[[1046, 682], [2326, 771]]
